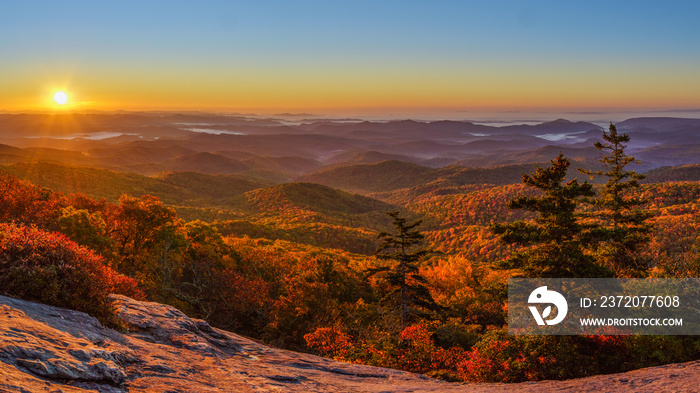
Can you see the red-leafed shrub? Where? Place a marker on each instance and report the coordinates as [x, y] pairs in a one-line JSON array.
[[500, 357], [329, 342], [47, 267], [25, 203], [418, 353], [414, 351]]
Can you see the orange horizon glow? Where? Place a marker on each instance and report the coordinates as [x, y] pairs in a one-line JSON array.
[[406, 91]]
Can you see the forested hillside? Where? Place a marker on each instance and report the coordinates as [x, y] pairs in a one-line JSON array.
[[295, 263], [304, 289]]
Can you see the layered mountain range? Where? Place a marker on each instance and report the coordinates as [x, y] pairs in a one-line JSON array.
[[278, 150]]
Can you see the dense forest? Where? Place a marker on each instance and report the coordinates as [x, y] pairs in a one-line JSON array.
[[318, 265]]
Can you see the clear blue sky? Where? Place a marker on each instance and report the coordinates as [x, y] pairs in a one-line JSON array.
[[333, 54]]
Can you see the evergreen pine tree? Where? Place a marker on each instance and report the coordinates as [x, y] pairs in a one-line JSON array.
[[623, 229], [409, 291], [552, 246]]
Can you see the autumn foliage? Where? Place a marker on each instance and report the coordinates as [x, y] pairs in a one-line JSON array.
[[291, 270], [24, 202], [48, 268]]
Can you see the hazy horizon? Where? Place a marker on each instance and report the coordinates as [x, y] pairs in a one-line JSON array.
[[493, 118]]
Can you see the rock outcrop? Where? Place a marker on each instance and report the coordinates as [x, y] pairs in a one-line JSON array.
[[48, 349]]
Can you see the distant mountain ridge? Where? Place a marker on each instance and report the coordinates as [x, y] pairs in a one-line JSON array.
[[279, 151]]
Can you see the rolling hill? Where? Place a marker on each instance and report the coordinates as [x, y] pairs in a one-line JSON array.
[[392, 175], [317, 197], [675, 173], [178, 188], [367, 178], [204, 162]]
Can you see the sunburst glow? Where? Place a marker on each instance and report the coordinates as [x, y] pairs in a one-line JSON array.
[[61, 98]]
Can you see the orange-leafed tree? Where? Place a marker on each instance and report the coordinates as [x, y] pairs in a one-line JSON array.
[[85, 228], [146, 233]]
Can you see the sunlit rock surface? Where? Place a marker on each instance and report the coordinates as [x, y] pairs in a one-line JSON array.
[[48, 349]]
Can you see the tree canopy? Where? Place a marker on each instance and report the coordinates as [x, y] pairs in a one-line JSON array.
[[553, 245], [409, 291], [622, 227]]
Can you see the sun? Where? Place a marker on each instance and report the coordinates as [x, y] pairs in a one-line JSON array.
[[61, 98]]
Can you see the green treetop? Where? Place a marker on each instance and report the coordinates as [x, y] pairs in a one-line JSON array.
[[553, 244], [622, 222], [408, 291]]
